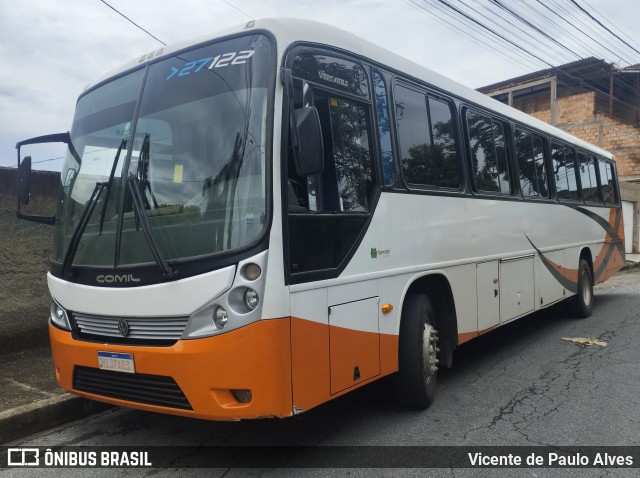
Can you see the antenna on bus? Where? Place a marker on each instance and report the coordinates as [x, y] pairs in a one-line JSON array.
[[236, 8]]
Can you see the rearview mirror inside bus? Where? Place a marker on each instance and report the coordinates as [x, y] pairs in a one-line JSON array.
[[310, 154]]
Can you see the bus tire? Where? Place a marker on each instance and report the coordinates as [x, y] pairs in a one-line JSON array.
[[581, 304], [417, 359]]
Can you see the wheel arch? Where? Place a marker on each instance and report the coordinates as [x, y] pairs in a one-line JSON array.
[[437, 287], [587, 255]]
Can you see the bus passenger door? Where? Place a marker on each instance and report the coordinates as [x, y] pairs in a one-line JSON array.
[[334, 329], [488, 290]]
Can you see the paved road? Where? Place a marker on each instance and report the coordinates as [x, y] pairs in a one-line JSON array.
[[520, 385]]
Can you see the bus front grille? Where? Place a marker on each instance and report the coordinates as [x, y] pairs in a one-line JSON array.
[[134, 387], [138, 329]]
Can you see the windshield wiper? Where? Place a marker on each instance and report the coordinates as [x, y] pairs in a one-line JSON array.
[[88, 211], [133, 183], [138, 185], [143, 172], [82, 225], [109, 183]]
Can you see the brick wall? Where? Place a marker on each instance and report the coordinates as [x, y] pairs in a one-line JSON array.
[[537, 105], [576, 108], [621, 139]]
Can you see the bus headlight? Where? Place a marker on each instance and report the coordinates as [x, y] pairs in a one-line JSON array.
[[251, 271], [59, 316], [220, 317], [238, 306], [251, 299]]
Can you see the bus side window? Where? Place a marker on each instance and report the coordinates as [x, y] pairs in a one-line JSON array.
[[384, 129], [564, 169], [426, 134], [524, 155], [572, 172], [539, 153], [588, 178], [530, 156], [444, 143], [489, 163], [607, 183], [611, 177], [349, 184], [418, 165]]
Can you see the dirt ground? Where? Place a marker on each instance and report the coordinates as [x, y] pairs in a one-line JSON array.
[[25, 249]]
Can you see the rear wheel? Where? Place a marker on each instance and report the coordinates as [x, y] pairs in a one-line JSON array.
[[418, 355], [581, 304]]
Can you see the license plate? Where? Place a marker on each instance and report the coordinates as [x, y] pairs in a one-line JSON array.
[[116, 362]]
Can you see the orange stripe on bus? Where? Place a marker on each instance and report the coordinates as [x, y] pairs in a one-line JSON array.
[[466, 336], [310, 364], [255, 357], [600, 258], [319, 375]]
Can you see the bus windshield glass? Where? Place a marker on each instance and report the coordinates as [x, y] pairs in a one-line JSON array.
[[189, 133]]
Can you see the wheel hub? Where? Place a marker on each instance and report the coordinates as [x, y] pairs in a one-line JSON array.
[[586, 289], [430, 351]]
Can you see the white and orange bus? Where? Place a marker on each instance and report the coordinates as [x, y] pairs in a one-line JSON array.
[[254, 224]]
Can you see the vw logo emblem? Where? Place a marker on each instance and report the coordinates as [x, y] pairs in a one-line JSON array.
[[123, 328]]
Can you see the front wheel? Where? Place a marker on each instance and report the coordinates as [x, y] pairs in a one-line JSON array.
[[581, 304], [418, 355]]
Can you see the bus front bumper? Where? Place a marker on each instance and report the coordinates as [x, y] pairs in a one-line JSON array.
[[206, 371]]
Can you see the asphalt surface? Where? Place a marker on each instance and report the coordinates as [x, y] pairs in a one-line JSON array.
[[520, 385]]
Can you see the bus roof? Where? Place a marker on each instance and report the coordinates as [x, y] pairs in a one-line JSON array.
[[290, 30]]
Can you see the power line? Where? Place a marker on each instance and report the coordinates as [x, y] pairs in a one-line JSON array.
[[132, 22], [531, 25], [470, 26], [558, 31], [537, 44], [621, 32], [493, 48], [577, 29], [566, 9], [499, 33], [496, 15], [482, 25], [603, 25], [46, 160]]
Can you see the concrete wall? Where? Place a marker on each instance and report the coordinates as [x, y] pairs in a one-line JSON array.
[[630, 191], [25, 249]]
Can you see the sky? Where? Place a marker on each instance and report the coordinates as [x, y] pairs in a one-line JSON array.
[[50, 50]]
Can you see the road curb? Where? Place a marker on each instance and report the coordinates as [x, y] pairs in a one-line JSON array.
[[43, 414], [629, 265]]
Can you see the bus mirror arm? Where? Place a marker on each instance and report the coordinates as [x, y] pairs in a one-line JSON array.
[[287, 80]]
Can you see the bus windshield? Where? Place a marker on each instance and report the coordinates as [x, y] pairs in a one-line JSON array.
[[189, 134]]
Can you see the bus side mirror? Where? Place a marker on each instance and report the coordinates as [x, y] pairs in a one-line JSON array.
[[24, 180], [24, 174], [309, 157]]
